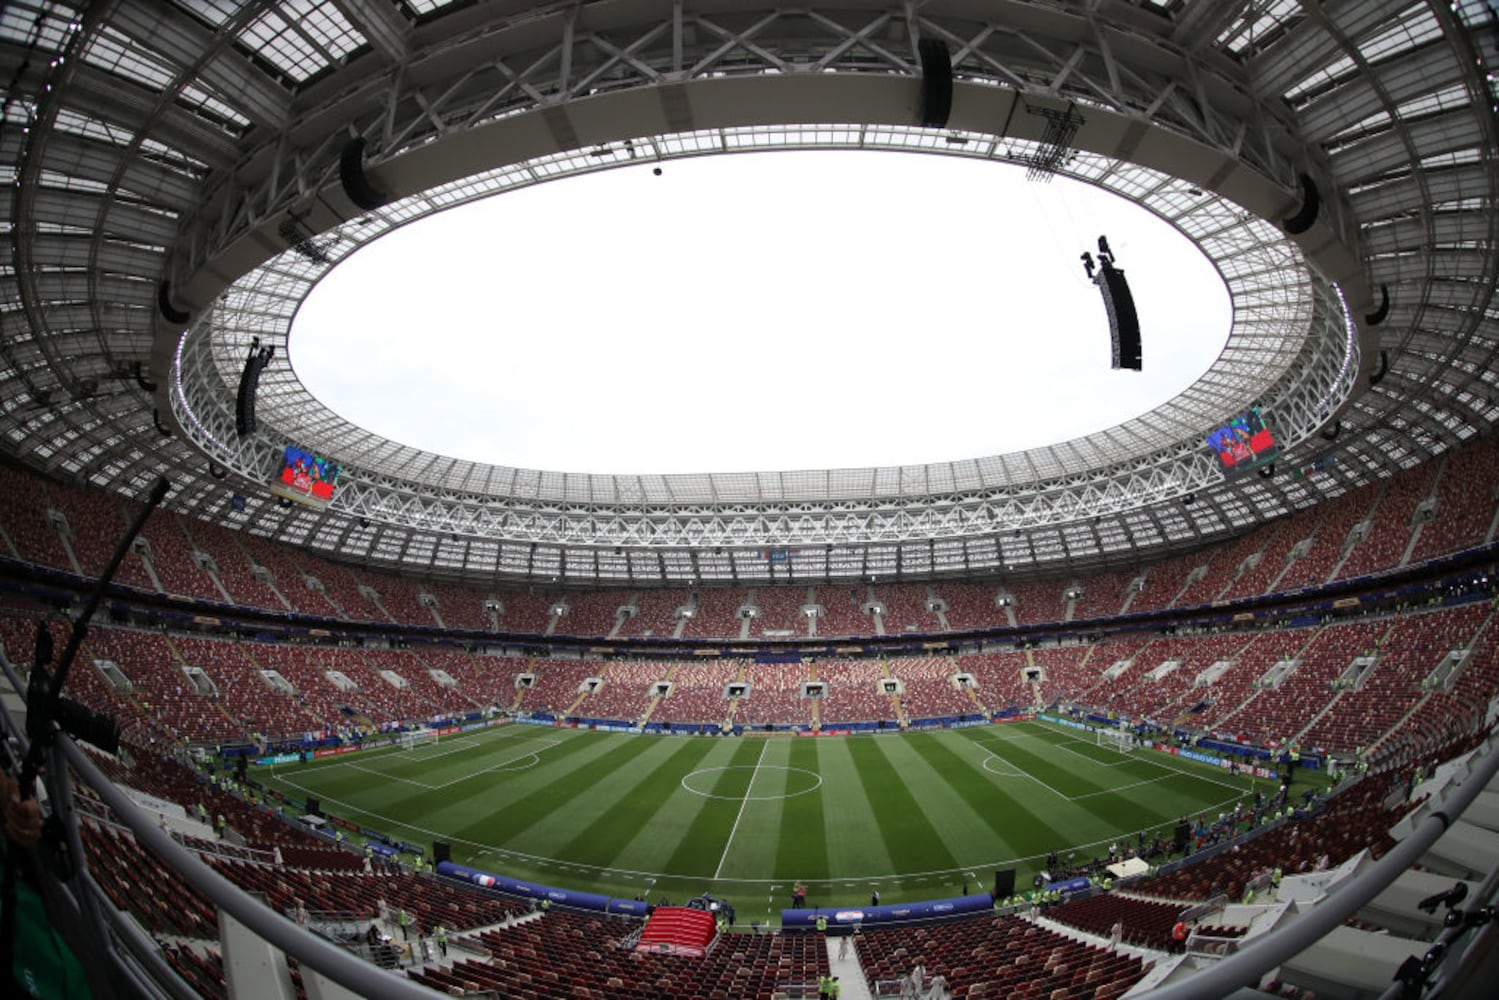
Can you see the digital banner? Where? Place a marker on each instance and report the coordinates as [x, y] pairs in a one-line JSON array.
[[806, 919], [530, 890], [1069, 723]]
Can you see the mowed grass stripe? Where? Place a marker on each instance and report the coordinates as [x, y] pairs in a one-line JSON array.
[[960, 823], [504, 819], [752, 851], [1013, 829], [596, 831], [656, 840], [854, 846], [699, 851], [801, 841], [910, 838]]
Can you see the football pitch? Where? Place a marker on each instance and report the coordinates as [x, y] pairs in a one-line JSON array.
[[912, 815]]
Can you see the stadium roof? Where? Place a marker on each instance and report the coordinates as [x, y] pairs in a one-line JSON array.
[[182, 171]]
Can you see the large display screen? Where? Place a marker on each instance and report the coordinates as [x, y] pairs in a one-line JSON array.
[[1243, 443], [306, 477]]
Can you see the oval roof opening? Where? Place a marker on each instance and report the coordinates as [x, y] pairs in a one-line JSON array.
[[757, 312]]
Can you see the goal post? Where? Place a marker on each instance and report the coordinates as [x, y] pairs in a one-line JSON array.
[[1116, 739], [411, 739]]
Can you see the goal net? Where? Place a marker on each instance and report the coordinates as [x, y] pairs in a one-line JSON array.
[[1116, 739], [418, 738]]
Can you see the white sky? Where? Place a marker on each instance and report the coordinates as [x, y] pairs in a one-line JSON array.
[[757, 311]]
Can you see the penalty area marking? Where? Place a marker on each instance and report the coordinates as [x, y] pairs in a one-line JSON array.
[[533, 757]]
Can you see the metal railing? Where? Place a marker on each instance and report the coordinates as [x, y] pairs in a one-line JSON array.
[[1254, 959]]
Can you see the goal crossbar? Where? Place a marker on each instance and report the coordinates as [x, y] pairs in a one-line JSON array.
[[418, 738]]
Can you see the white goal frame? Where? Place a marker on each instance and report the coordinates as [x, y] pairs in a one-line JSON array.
[[1115, 739], [412, 739]]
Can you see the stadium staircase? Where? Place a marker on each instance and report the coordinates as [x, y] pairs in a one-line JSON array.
[[576, 702], [852, 983], [655, 700], [1030, 661], [1296, 738], [678, 930]]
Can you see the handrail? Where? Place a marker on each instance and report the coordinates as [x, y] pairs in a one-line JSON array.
[[309, 949], [1253, 960]]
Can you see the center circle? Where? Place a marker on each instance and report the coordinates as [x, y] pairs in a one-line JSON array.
[[707, 776]]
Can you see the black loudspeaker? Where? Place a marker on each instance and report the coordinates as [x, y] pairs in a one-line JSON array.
[[1311, 202], [936, 82], [249, 384], [1378, 316], [314, 807], [1183, 834], [355, 183], [441, 852], [1004, 883], [1124, 322], [169, 311]]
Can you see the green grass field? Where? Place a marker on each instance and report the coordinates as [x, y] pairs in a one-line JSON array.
[[913, 815]]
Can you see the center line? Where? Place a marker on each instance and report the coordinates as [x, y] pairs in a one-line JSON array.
[[751, 787]]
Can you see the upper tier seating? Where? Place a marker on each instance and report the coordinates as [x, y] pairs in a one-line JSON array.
[[1103, 595], [526, 612], [1462, 483], [970, 605], [715, 617], [1386, 544], [172, 558], [1038, 602], [23, 522], [592, 614], [656, 613], [1273, 551], [1465, 502], [1165, 580], [905, 608], [780, 610], [235, 569], [843, 611], [458, 607], [285, 568]]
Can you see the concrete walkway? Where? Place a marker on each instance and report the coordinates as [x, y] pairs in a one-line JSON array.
[[848, 970]]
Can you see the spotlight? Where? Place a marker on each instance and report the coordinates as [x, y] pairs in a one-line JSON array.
[[1268, 471]]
